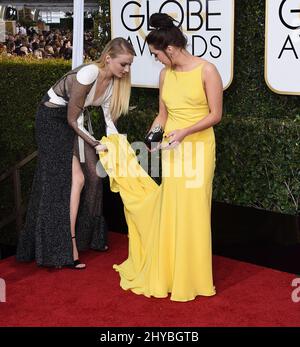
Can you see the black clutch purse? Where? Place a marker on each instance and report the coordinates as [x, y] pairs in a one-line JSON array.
[[154, 135]]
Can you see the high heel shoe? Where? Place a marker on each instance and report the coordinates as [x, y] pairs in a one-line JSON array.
[[77, 262]]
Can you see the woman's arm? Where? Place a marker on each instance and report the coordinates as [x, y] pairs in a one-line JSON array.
[[214, 93], [75, 108], [162, 116]]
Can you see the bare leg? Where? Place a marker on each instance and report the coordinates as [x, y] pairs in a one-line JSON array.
[[77, 185]]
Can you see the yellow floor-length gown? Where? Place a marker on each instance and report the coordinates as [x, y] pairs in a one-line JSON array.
[[169, 224]]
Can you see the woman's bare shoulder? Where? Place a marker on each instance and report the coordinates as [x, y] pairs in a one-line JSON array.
[[209, 68]]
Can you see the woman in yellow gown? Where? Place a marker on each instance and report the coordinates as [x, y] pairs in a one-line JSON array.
[[169, 225]]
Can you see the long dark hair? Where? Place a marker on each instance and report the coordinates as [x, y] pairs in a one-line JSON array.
[[165, 33]]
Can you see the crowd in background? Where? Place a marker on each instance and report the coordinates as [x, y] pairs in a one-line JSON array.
[[51, 44]]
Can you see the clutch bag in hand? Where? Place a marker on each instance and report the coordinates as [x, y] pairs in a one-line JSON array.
[[154, 135]]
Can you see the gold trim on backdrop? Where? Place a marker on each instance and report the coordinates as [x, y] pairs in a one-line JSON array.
[[232, 45], [282, 92]]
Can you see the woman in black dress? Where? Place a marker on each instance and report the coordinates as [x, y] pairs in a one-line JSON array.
[[67, 192]]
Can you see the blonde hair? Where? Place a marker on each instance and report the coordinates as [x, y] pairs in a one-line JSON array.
[[122, 86]]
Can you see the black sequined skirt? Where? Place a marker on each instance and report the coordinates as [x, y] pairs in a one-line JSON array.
[[46, 236]]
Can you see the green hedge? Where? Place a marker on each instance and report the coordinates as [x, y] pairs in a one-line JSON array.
[[258, 163], [22, 85], [248, 94]]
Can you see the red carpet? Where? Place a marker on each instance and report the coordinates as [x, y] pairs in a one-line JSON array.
[[247, 295]]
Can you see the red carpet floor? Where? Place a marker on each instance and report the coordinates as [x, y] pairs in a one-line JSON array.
[[247, 295]]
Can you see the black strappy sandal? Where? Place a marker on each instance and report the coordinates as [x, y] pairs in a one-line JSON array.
[[77, 262]]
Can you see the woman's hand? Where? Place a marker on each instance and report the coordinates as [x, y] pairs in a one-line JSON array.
[[101, 148], [175, 137]]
